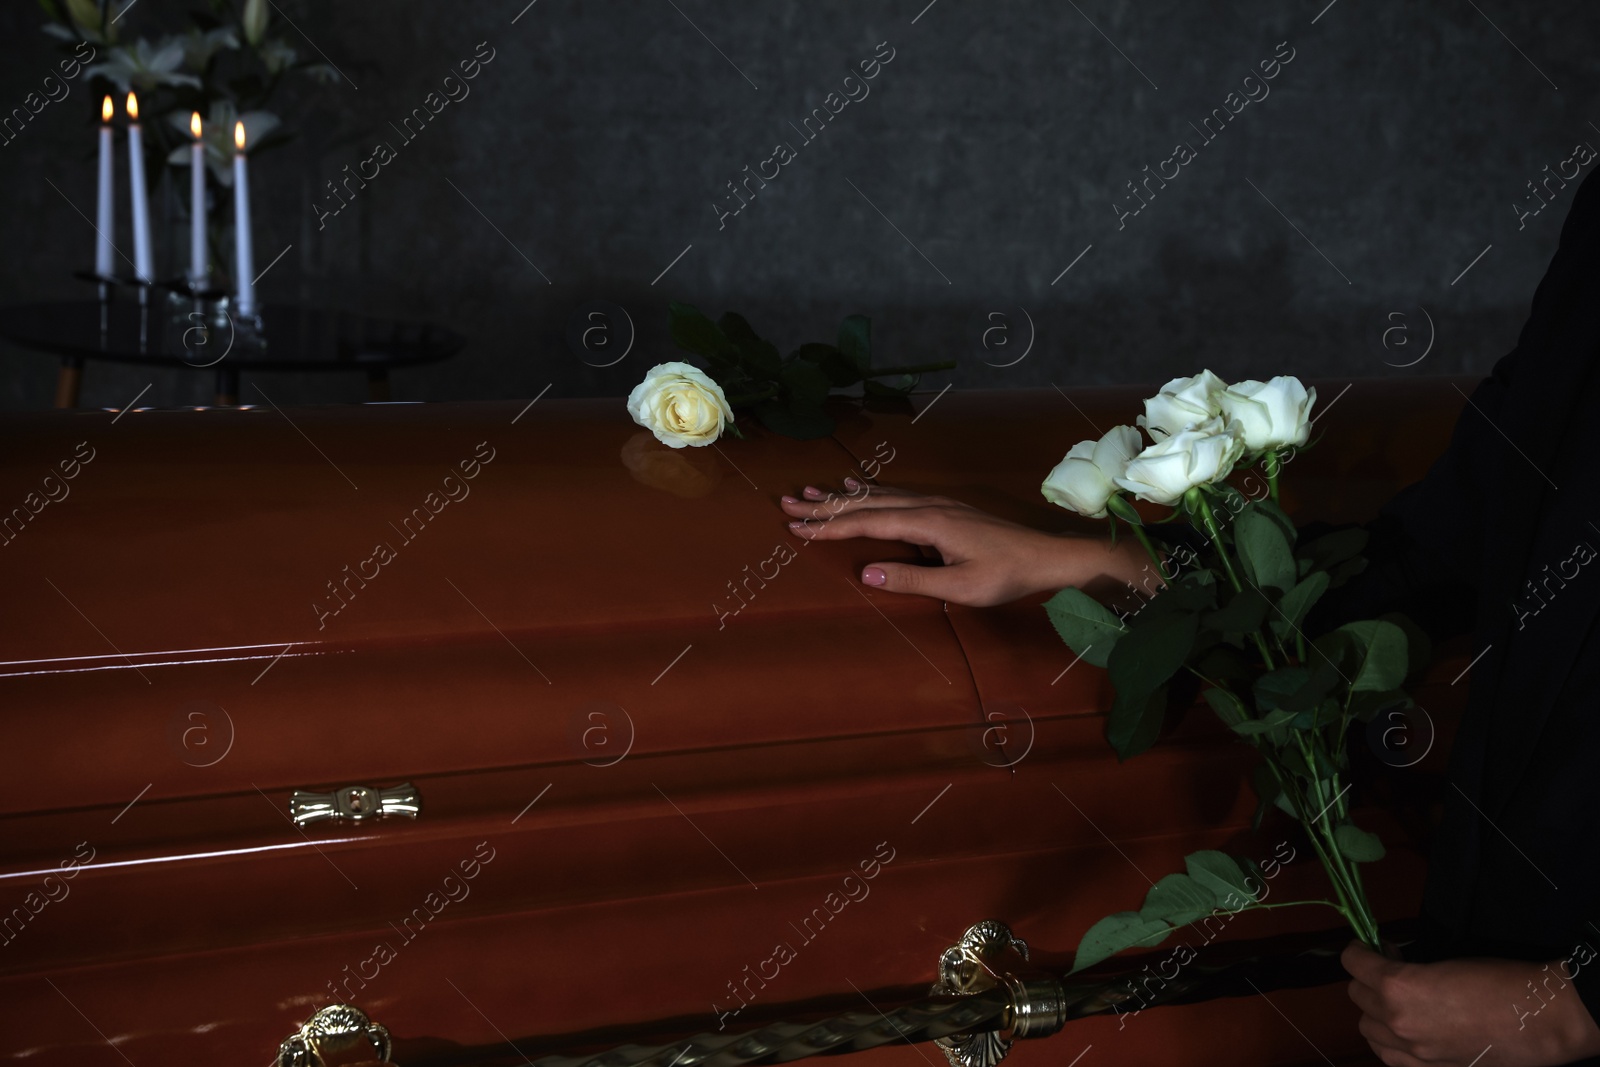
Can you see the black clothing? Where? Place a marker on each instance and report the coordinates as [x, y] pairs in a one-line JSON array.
[[1499, 540]]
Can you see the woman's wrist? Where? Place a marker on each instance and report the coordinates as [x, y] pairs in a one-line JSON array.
[[1101, 568]]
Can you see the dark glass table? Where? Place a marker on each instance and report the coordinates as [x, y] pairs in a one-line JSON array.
[[291, 338]]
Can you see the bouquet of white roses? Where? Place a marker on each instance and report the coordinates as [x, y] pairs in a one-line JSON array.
[[1231, 614]]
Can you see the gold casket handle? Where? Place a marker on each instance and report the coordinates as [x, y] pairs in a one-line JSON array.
[[339, 1035], [354, 802]]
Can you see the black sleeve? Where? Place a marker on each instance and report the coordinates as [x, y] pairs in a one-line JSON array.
[[1428, 546]]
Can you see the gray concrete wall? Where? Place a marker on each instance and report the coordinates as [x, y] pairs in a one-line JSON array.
[[987, 155]]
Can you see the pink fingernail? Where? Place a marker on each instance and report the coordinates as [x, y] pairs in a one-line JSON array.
[[791, 500], [874, 576], [797, 526], [851, 483]]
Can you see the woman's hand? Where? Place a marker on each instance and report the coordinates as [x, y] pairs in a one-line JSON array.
[[987, 560], [1484, 1012]]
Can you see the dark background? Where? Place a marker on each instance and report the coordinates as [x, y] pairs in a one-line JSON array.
[[591, 149]]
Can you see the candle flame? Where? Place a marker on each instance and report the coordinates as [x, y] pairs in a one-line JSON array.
[[194, 124], [238, 136], [105, 109], [133, 107]]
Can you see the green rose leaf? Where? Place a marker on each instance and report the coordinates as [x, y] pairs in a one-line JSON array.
[[760, 356], [1326, 713], [802, 426], [1230, 498], [1264, 549], [807, 386], [1277, 515], [855, 343], [1135, 721], [835, 364], [1296, 602], [1291, 761], [1326, 657], [1343, 572], [901, 385], [1270, 723], [1084, 624], [1115, 933], [1226, 664], [1268, 792], [1151, 652], [1380, 655], [1357, 844], [1142, 661], [1419, 646], [1275, 689], [1366, 705], [693, 332], [1330, 550], [1229, 708], [1271, 727], [1189, 593], [1179, 899], [1242, 614], [1223, 875]]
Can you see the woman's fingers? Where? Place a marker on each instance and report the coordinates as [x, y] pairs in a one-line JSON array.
[[854, 488], [941, 583], [819, 504], [1367, 999], [914, 525], [1380, 1036], [962, 580], [1388, 1048]]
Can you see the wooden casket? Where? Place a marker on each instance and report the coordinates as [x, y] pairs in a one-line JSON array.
[[652, 759]]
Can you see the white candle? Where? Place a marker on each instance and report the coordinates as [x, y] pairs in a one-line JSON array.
[[199, 259], [244, 255], [105, 211], [143, 261]]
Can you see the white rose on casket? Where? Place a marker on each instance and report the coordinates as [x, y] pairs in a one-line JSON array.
[[1172, 466], [1182, 404], [680, 404], [1269, 415], [1086, 478]]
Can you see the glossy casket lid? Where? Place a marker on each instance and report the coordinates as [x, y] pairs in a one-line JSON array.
[[582, 563], [181, 593]]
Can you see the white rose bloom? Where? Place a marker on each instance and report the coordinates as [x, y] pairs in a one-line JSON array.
[[1086, 478], [680, 405], [1172, 466], [1182, 404], [1269, 415]]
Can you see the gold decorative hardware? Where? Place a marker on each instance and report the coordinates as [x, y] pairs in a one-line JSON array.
[[982, 961], [339, 1033], [354, 802]]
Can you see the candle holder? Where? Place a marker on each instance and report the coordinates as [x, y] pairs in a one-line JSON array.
[[193, 289], [248, 330], [106, 287]]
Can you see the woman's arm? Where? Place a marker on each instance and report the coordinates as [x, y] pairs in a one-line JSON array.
[[987, 560]]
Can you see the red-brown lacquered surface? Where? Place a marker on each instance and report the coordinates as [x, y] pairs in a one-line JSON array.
[[656, 729]]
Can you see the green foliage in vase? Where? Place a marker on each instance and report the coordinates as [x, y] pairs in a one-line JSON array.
[[216, 57], [786, 394]]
